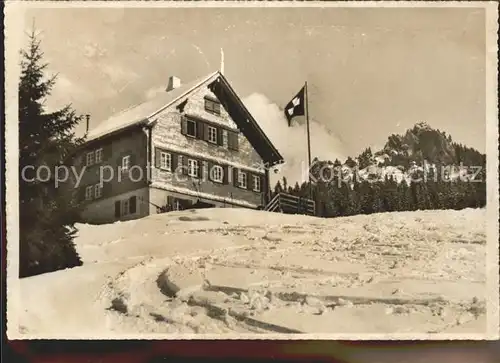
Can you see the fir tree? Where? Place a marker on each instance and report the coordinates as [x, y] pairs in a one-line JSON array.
[[46, 216]]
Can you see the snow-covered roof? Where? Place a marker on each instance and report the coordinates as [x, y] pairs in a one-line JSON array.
[[143, 111]]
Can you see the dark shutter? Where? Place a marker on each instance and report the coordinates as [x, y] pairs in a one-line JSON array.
[[132, 204], [219, 137], [157, 158], [248, 179], [217, 107], [225, 178], [200, 168], [233, 140], [206, 132], [235, 177], [210, 171], [174, 161], [183, 125], [178, 167], [117, 209], [250, 182], [200, 130]]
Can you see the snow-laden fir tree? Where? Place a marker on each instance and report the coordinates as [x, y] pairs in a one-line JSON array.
[[46, 215]]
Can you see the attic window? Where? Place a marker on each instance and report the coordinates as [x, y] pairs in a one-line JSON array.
[[191, 128], [212, 106]]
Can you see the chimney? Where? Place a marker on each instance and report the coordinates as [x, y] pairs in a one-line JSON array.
[[173, 83], [87, 117]]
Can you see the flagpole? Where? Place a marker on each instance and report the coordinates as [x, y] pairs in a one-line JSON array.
[[306, 109]]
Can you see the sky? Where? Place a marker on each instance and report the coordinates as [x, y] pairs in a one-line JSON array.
[[371, 72]]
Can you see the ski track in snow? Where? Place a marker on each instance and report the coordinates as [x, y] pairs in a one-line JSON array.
[[404, 272]]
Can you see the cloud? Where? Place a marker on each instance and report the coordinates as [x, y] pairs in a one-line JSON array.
[[64, 92], [291, 142], [155, 91]]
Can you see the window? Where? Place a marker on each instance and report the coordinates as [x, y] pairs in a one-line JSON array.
[[125, 207], [165, 161], [125, 163], [256, 183], [193, 168], [242, 179], [90, 158], [98, 155], [89, 192], [176, 205], [217, 174], [212, 134], [191, 128], [98, 191], [212, 106]]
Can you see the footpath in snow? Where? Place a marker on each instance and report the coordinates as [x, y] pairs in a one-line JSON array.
[[229, 271]]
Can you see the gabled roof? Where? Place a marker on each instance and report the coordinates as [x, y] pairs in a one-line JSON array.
[[142, 114]]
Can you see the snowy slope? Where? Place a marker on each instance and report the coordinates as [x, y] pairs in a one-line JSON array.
[[251, 271]]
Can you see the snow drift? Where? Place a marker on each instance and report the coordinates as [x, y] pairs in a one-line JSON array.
[[227, 271]]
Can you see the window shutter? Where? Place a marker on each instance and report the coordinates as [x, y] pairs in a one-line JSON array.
[[132, 204], [250, 182], [174, 161], [157, 158], [185, 165], [217, 107], [219, 137], [248, 179], [233, 141], [210, 171], [183, 125], [230, 174], [201, 168], [263, 186], [225, 178], [206, 132], [235, 177], [178, 166], [200, 130], [117, 209]]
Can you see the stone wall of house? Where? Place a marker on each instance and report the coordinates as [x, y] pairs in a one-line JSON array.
[[167, 136]]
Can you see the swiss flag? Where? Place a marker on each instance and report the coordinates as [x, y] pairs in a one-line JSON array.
[[296, 106]]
